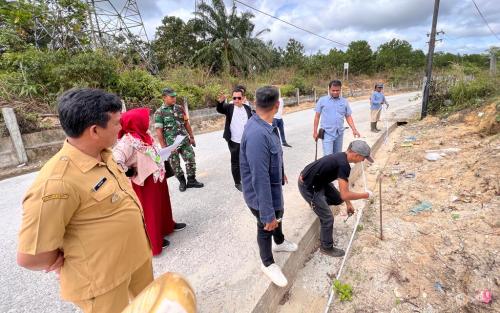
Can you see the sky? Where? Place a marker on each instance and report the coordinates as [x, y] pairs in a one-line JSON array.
[[376, 21]]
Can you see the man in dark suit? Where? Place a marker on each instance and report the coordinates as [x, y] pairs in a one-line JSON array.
[[237, 114]]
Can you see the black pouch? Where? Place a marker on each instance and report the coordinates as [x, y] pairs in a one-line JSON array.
[[169, 171], [321, 133]]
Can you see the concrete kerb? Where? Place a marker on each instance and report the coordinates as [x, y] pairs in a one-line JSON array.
[[272, 296]]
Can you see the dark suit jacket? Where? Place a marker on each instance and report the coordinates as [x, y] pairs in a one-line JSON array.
[[227, 109]]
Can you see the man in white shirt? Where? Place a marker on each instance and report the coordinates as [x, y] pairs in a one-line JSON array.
[[278, 121], [237, 114]]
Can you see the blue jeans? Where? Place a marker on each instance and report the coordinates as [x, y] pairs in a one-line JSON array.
[[281, 127], [333, 146]]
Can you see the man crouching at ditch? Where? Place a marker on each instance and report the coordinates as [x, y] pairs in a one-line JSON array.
[[315, 186]]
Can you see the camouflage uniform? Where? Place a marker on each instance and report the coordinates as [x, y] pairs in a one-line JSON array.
[[172, 119]]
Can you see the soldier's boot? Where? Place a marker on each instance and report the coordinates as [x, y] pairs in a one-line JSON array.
[[374, 127], [193, 183], [182, 182]]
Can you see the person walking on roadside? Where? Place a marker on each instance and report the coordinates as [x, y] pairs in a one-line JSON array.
[[278, 121], [262, 176], [333, 109], [170, 121], [137, 153], [81, 217], [237, 114], [377, 99], [316, 187]]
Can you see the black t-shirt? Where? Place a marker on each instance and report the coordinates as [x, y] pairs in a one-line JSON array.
[[325, 170]]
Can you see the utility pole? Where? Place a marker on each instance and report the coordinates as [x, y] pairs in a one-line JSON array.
[[428, 70]]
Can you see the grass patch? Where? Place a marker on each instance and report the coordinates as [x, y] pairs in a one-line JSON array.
[[343, 290]]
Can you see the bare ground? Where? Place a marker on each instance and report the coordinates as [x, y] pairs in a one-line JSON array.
[[437, 260]]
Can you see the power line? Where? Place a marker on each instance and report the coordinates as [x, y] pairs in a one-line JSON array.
[[484, 19], [288, 23]]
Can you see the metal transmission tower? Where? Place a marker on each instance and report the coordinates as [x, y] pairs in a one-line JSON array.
[[54, 26], [197, 4], [112, 25]]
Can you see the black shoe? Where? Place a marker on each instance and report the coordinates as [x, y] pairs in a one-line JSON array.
[[165, 243], [179, 226], [238, 186], [286, 145], [334, 252], [182, 183], [193, 183]]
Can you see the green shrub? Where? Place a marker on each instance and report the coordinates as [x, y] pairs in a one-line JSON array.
[[300, 82], [447, 96], [211, 93], [343, 290], [89, 69], [467, 92], [11, 84], [37, 68], [288, 91], [138, 85], [47, 73], [193, 94]]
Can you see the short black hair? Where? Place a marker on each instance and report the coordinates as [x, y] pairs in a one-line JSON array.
[[241, 88], [80, 108], [266, 97], [238, 90], [335, 82]]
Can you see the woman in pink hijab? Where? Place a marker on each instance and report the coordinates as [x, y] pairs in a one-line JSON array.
[[137, 153]]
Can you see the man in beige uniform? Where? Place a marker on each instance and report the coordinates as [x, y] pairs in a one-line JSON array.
[[81, 217]]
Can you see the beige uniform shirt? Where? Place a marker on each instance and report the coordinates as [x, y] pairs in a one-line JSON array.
[[100, 229]]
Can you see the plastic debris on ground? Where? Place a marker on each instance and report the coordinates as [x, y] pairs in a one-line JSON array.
[[432, 156], [455, 216], [407, 144], [439, 287], [423, 206], [484, 296], [410, 139]]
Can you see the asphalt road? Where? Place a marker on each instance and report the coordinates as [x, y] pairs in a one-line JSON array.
[[217, 252]]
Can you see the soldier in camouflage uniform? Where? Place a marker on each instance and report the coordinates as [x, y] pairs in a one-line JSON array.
[[171, 120]]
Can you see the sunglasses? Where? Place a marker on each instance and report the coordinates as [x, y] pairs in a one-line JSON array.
[[236, 98]]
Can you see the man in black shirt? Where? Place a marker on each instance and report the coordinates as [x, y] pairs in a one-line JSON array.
[[315, 186]]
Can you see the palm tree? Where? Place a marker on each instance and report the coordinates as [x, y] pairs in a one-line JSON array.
[[228, 44]]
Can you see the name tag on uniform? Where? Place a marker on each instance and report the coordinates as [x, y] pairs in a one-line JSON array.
[[55, 196], [99, 184]]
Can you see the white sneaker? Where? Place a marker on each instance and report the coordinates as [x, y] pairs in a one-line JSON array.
[[274, 273], [285, 246]]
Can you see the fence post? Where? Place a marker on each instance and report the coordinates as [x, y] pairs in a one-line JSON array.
[[15, 134], [315, 99], [124, 107], [298, 96]]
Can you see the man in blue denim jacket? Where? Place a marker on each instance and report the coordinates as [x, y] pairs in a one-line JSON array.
[[262, 177]]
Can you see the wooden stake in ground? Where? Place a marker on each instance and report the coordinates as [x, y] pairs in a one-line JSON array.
[[380, 202]]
